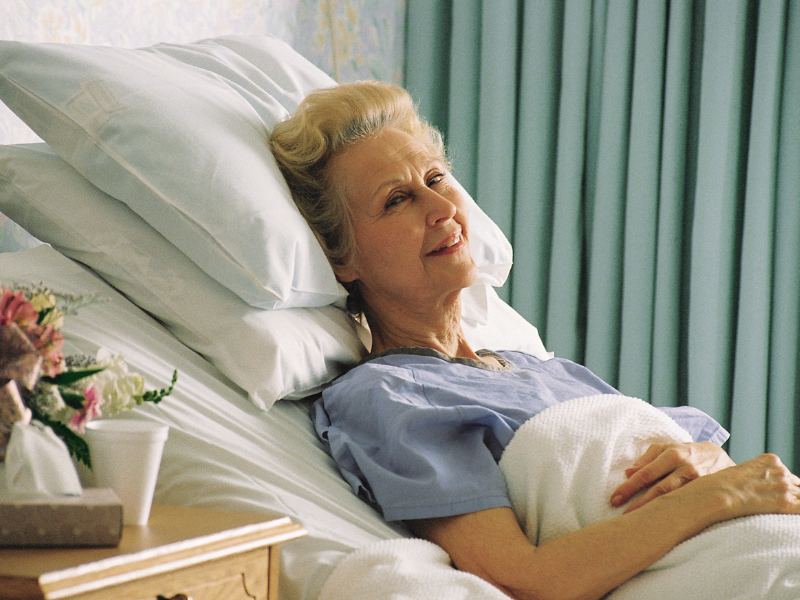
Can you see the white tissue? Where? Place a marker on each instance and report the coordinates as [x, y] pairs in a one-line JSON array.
[[38, 463]]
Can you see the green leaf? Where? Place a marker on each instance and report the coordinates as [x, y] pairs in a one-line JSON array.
[[157, 396], [72, 399], [76, 445], [43, 314], [70, 377]]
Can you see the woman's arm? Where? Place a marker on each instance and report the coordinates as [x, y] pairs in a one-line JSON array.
[[590, 562]]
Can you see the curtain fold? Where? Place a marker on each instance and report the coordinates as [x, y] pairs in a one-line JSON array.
[[750, 406], [784, 348], [642, 157]]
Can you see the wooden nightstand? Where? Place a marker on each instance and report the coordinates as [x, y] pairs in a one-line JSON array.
[[204, 554]]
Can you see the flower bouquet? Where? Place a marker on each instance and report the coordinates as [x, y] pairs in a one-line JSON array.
[[38, 382]]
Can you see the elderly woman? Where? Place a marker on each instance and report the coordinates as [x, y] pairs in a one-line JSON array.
[[419, 426]]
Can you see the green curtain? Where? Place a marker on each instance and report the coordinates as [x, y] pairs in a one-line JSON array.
[[644, 160]]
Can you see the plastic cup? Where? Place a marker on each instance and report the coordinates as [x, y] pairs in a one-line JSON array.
[[126, 456]]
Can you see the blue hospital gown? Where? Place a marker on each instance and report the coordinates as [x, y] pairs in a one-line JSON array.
[[419, 434]]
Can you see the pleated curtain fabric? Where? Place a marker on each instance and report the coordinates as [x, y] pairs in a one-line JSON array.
[[644, 160]]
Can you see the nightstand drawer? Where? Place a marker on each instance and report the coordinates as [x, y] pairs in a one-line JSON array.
[[244, 576]]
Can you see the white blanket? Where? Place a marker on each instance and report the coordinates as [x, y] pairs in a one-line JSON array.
[[563, 465], [404, 569], [561, 468]]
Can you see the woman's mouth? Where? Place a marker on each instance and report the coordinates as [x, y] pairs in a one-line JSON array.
[[452, 243]]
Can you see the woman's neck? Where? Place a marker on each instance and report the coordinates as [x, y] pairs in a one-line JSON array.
[[438, 328]]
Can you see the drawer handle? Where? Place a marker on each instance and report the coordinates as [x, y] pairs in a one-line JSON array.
[[175, 597]]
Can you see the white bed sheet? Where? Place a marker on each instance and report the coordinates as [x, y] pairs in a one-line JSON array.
[[222, 451]]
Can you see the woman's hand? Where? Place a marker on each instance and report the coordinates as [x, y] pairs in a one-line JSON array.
[[759, 486], [666, 467]]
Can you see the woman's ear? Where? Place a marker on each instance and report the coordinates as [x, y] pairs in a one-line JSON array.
[[345, 275]]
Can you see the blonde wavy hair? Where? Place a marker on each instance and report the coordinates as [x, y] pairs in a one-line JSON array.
[[326, 122]]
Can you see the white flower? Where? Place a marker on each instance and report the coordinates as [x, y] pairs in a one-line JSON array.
[[121, 389]]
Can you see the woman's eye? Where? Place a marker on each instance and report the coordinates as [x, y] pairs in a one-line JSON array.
[[394, 201], [437, 178]]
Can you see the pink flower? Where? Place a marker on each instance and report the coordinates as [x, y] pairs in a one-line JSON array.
[[48, 343], [14, 308], [92, 409]]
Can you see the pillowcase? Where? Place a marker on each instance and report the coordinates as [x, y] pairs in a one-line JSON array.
[[489, 322], [271, 354], [178, 133]]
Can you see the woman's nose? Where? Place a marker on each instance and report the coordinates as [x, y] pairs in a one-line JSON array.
[[440, 208]]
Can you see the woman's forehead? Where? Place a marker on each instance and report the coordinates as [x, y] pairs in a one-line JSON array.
[[382, 160]]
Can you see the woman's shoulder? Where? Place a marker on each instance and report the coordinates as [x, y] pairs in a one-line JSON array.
[[390, 362], [397, 372], [377, 376], [421, 357], [405, 365], [429, 359]]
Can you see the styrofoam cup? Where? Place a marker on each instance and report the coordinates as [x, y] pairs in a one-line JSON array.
[[126, 456]]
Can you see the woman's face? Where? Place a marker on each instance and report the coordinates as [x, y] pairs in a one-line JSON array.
[[410, 221]]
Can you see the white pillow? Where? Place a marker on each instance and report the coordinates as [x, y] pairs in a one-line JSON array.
[[288, 353], [178, 133], [271, 354], [489, 322]]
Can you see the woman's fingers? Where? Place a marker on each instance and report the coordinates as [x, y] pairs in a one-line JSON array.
[[652, 453], [758, 486], [666, 485], [667, 467], [659, 461]]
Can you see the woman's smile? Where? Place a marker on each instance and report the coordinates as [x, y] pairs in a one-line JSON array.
[[453, 243]]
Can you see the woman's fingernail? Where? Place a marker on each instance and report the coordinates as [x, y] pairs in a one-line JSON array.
[[616, 500]]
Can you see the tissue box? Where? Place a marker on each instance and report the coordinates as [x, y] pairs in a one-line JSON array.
[[92, 519]]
